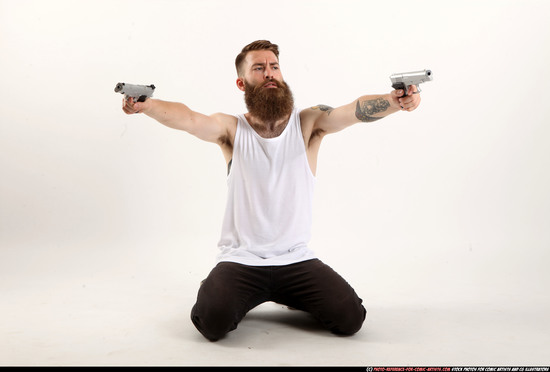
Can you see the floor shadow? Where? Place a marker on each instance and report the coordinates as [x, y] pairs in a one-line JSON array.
[[269, 319], [282, 316]]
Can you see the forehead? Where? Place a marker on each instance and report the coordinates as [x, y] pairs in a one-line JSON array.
[[261, 56]]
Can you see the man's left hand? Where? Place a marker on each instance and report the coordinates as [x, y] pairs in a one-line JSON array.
[[407, 103]]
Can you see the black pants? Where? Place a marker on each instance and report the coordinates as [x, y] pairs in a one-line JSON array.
[[232, 289]]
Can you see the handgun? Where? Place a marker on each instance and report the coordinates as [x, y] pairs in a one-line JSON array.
[[138, 92], [406, 79]]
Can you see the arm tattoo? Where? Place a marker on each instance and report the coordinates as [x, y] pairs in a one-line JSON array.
[[364, 110], [326, 108]]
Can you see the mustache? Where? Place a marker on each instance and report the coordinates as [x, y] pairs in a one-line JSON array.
[[259, 86]]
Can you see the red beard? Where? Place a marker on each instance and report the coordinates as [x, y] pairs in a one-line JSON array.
[[269, 104]]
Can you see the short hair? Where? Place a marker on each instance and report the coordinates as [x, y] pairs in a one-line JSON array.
[[255, 45]]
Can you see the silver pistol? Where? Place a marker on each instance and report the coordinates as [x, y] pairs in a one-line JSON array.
[[406, 79], [138, 92]]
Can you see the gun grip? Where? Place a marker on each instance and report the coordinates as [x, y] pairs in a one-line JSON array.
[[402, 86], [142, 98]]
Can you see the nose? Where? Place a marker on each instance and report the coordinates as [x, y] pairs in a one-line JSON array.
[[268, 73]]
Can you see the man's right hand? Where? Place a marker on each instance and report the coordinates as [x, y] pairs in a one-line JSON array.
[[131, 107]]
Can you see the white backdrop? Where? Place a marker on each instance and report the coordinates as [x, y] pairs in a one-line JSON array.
[[447, 204]]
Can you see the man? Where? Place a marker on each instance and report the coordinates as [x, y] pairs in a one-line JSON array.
[[271, 154]]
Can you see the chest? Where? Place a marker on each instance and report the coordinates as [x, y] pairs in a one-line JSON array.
[[269, 131]]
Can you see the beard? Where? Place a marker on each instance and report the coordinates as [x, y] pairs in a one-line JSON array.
[[269, 104]]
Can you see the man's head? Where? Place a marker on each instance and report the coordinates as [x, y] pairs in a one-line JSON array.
[[267, 96], [255, 46]]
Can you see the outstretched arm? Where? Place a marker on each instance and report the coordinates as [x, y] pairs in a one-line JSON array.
[[367, 109], [216, 128]]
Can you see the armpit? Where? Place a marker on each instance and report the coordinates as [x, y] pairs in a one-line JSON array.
[[225, 140]]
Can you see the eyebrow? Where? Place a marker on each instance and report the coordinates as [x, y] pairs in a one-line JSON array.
[[263, 64]]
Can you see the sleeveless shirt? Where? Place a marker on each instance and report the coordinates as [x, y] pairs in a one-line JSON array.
[[268, 214]]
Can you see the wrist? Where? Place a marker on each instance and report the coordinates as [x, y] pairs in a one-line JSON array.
[[393, 99]]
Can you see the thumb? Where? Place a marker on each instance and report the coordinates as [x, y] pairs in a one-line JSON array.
[[398, 93], [142, 106]]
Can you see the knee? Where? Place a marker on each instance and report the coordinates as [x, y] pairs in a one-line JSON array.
[[213, 325], [346, 320], [350, 323], [210, 333]]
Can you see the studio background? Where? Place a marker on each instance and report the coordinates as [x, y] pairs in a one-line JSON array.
[[108, 222]]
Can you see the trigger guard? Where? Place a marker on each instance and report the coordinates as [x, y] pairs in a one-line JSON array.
[[401, 86]]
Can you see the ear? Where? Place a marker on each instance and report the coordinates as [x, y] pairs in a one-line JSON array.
[[240, 84]]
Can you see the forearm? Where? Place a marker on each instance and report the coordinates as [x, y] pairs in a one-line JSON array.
[[365, 109], [374, 107]]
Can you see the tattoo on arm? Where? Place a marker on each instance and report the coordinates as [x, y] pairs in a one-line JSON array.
[[326, 108], [364, 110]]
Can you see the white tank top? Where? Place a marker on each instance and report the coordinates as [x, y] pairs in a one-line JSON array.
[[268, 214]]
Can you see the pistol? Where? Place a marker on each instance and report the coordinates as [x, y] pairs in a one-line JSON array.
[[138, 92], [406, 79]]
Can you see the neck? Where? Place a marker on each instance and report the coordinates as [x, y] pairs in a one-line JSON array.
[[267, 129]]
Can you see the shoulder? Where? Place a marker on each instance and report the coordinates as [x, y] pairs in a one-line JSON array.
[[228, 122], [309, 117], [311, 114], [224, 118]]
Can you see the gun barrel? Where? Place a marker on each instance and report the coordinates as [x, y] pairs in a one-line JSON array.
[[119, 87], [415, 77], [135, 91]]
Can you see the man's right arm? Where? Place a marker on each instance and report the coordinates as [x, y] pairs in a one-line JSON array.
[[217, 128]]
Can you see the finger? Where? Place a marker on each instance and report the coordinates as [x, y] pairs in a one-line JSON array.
[[397, 93], [413, 104], [128, 110], [405, 104], [406, 99], [129, 107]]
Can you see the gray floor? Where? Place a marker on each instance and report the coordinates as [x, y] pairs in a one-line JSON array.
[[108, 311]]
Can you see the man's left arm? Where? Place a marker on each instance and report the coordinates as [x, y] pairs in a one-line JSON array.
[[325, 120]]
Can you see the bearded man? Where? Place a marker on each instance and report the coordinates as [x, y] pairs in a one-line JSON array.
[[271, 155]]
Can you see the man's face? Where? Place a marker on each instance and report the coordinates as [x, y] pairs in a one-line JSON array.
[[258, 66], [267, 96]]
